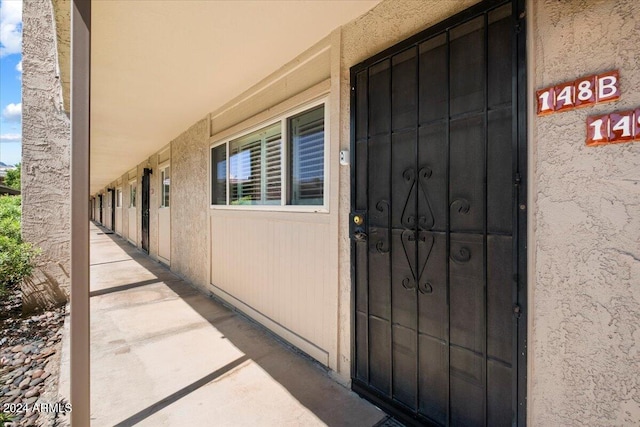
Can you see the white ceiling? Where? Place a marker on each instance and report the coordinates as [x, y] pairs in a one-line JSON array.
[[158, 66]]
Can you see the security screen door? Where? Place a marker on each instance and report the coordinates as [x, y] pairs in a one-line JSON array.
[[438, 223], [145, 196]]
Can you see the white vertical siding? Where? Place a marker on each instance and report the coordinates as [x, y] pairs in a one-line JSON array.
[[118, 228], [277, 264], [164, 234], [133, 228]]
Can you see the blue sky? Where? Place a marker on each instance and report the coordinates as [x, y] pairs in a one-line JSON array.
[[10, 81]]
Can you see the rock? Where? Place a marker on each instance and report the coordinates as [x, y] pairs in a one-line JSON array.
[[24, 383], [32, 400], [17, 380], [16, 349], [48, 352], [14, 392], [27, 360], [35, 382], [31, 393], [45, 375], [37, 373]]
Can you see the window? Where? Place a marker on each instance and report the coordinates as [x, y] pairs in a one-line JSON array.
[[255, 168], [165, 183], [132, 194], [118, 197], [280, 164], [306, 158]]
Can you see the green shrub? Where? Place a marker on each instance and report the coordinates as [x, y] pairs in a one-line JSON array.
[[10, 213], [13, 177], [16, 257]]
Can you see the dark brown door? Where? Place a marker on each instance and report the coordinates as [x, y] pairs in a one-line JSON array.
[[113, 210], [146, 183], [438, 243], [100, 208]]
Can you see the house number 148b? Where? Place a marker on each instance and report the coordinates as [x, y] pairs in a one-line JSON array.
[[579, 93]]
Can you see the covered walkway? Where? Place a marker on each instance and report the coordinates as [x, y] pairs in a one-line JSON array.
[[164, 354]]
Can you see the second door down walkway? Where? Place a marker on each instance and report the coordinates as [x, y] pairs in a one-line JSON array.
[[164, 354]]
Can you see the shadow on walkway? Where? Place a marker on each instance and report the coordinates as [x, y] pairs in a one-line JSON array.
[[163, 353]]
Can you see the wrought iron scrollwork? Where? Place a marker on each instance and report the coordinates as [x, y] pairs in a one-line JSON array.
[[408, 284], [461, 256], [428, 221], [461, 205], [412, 242], [425, 288], [409, 177], [383, 244], [417, 244], [426, 239]]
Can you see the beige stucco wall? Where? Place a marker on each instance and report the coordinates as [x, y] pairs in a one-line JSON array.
[[62, 13], [45, 158], [189, 204], [584, 301]]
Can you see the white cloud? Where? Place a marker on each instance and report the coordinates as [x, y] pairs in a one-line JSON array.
[[13, 112], [10, 27], [10, 137], [19, 67]]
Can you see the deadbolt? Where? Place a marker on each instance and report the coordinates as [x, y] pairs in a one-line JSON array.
[[357, 219]]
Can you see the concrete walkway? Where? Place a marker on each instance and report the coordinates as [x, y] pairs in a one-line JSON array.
[[164, 354]]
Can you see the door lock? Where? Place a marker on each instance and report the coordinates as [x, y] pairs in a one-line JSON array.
[[358, 226]]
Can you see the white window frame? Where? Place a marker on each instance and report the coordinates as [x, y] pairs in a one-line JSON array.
[[119, 197], [133, 183], [162, 168], [283, 118]]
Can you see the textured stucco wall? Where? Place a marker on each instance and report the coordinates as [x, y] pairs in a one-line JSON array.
[[383, 26], [45, 158], [585, 282], [190, 204], [62, 13]]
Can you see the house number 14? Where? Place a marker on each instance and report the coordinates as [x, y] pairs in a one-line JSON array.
[[615, 127]]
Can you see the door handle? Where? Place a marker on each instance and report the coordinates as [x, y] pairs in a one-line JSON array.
[[360, 236]]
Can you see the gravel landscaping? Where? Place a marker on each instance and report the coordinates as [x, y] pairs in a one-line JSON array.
[[29, 365]]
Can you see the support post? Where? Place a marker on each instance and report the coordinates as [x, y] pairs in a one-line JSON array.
[[80, 125]]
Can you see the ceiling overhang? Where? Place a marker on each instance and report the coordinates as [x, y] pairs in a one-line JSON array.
[[158, 66]]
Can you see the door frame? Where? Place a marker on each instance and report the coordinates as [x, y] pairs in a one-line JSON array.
[[520, 167], [100, 202], [113, 209], [145, 200]]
